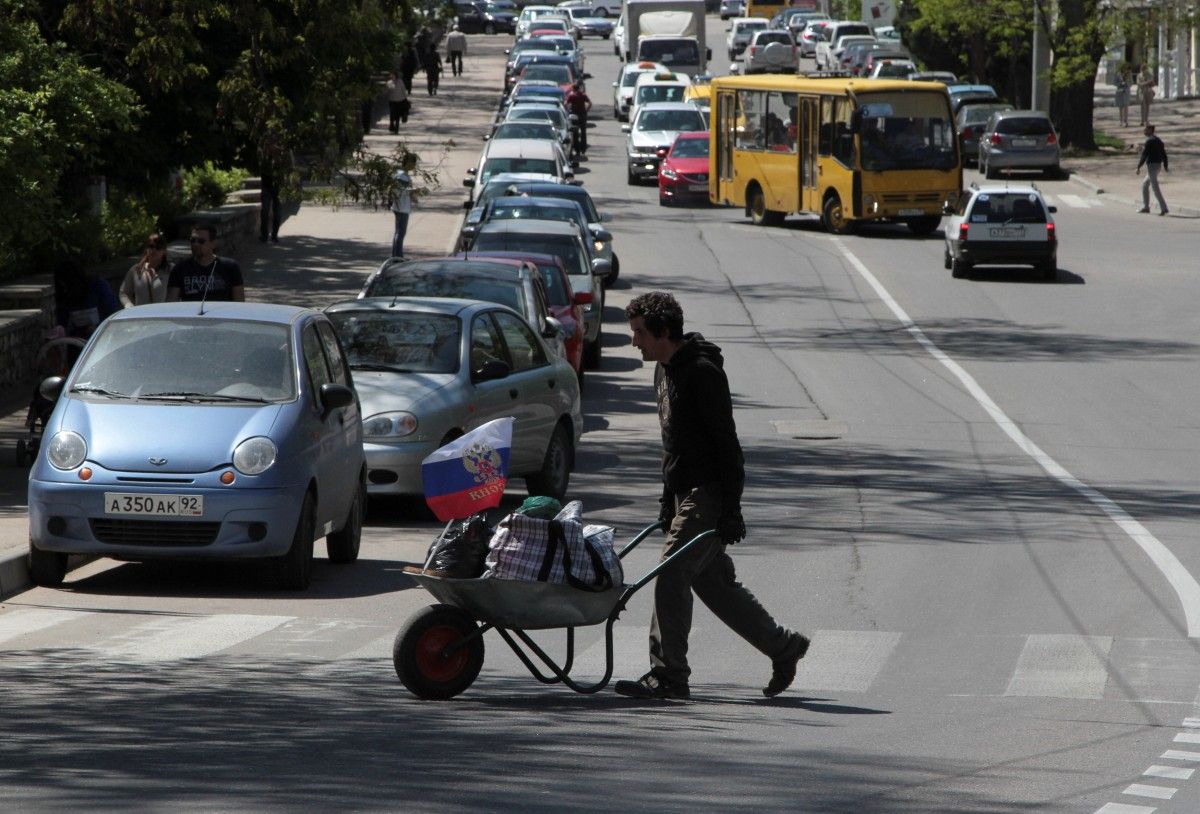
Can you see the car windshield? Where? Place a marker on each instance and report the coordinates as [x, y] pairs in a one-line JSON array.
[[894, 69], [630, 78], [495, 166], [466, 286], [977, 114], [774, 36], [690, 148], [906, 131], [670, 120], [406, 342], [512, 211], [1007, 207], [537, 114], [525, 130], [566, 249], [572, 193], [555, 73], [750, 26], [660, 93], [1024, 126], [565, 44], [670, 52], [190, 359]]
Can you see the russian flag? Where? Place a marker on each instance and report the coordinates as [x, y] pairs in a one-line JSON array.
[[468, 475]]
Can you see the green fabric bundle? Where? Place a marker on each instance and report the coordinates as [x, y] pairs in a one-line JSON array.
[[541, 507]]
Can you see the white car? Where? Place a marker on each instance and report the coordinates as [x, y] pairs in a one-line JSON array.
[[520, 155], [741, 29], [623, 88], [732, 8], [830, 45], [599, 8], [528, 14], [586, 24], [618, 34], [893, 69], [653, 131], [771, 51], [658, 86], [1004, 225]]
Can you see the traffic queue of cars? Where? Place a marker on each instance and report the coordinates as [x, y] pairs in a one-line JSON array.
[[291, 417]]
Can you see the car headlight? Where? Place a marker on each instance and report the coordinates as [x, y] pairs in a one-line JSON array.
[[666, 173], [67, 450], [254, 455], [390, 425]]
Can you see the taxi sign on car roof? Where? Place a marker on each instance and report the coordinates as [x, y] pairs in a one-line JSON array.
[[666, 75]]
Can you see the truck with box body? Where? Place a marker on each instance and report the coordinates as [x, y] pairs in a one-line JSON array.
[[669, 32]]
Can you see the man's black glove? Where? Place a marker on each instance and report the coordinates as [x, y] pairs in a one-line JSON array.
[[666, 512], [732, 528]]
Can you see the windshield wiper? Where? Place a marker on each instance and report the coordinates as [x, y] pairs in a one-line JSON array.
[[379, 367], [187, 395], [99, 391]]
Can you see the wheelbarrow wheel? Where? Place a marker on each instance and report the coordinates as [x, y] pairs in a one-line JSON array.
[[419, 657]]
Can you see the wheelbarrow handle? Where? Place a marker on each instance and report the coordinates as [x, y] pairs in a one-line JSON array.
[[666, 562], [642, 535]]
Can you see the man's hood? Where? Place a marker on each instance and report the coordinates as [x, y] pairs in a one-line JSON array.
[[696, 346]]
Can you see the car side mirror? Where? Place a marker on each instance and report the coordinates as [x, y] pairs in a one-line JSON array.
[[947, 209], [467, 205], [1052, 209], [601, 267], [472, 170], [51, 388], [624, 128], [708, 53], [603, 235], [469, 182], [587, 76], [492, 370], [605, 217], [551, 328], [581, 298], [334, 396], [614, 84]]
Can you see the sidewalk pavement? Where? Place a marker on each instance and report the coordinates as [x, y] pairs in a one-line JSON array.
[[324, 253], [1111, 172]]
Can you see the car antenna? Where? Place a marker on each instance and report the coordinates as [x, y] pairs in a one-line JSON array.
[[207, 285]]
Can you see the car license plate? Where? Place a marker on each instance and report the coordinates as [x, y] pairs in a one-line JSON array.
[[154, 505], [1006, 232], [699, 187], [1024, 142], [911, 212]]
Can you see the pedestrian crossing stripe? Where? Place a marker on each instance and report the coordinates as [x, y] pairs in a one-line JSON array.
[[1046, 665], [1076, 201]]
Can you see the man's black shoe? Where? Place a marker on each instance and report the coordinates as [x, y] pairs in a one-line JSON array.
[[652, 686], [783, 669]]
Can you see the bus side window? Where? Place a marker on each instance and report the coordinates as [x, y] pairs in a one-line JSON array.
[[825, 136], [843, 145]]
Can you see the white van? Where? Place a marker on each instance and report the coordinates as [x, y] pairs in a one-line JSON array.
[[520, 155]]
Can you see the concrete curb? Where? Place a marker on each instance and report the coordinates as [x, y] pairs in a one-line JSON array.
[[1087, 182], [14, 570]]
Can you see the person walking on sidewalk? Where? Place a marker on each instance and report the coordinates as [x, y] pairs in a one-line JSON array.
[[456, 46], [398, 104], [1146, 83], [401, 206], [1154, 156], [1122, 95], [204, 276], [146, 280], [703, 476], [433, 70], [409, 62]]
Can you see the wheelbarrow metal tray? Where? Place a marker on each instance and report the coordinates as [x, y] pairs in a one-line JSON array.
[[520, 604]]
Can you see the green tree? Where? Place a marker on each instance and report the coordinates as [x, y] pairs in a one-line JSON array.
[[55, 114]]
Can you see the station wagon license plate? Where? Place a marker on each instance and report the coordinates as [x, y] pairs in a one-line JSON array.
[[1006, 232], [154, 505], [905, 213], [699, 187], [1025, 142]]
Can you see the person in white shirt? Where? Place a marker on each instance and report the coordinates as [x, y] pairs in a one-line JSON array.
[[456, 46], [402, 204]]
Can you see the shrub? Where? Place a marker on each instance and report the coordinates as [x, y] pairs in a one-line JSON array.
[[207, 186]]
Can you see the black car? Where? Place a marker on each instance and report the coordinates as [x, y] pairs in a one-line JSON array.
[[477, 18]]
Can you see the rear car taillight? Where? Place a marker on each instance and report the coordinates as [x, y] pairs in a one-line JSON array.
[[963, 230], [1050, 232], [996, 139], [968, 131], [753, 50], [1052, 139]]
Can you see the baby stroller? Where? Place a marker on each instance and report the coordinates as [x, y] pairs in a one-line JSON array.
[[54, 358]]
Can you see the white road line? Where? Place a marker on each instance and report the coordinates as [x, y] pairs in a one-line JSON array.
[[19, 622], [1169, 772], [1185, 585], [845, 660], [187, 638], [1192, 722], [1187, 737], [1158, 792], [1122, 808], [1061, 666], [1175, 754]]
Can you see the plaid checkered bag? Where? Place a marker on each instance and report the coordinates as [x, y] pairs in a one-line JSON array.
[[557, 551]]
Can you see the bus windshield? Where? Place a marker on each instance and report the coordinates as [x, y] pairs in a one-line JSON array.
[[906, 131]]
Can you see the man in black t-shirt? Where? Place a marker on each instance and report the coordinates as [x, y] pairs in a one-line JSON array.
[[204, 276]]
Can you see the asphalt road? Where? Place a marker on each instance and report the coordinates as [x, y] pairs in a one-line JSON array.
[[977, 496]]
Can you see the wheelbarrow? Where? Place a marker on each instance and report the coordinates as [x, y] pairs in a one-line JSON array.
[[439, 651]]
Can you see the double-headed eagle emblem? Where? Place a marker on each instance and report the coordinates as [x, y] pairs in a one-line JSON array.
[[482, 461]]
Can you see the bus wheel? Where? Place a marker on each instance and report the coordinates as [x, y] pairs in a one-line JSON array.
[[759, 214], [835, 216], [924, 226]]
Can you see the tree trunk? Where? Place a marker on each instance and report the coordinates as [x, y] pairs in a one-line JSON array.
[[1073, 107]]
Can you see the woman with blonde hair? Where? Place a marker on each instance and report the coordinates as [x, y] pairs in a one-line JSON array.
[[146, 280]]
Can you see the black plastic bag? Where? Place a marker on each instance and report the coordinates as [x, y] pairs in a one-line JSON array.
[[463, 550]]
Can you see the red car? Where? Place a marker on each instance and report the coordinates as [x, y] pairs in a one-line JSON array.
[[563, 304], [683, 173]]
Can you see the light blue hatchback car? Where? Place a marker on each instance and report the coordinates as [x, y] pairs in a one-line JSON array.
[[227, 431]]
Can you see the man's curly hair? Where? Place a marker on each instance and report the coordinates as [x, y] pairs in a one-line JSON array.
[[660, 313]]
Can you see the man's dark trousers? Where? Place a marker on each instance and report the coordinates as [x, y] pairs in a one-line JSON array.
[[709, 571]]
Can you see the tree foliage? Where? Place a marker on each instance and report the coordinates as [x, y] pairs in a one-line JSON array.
[[55, 113]]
